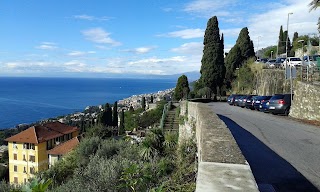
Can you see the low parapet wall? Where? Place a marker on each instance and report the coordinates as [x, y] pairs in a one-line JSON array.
[[221, 165]]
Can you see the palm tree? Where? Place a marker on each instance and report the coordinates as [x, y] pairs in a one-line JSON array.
[[170, 140], [314, 4], [147, 150], [152, 144], [37, 185]]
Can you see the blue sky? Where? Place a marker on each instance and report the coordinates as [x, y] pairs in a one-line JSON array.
[[79, 37]]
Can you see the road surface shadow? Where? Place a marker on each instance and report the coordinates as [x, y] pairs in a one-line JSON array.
[[267, 166]]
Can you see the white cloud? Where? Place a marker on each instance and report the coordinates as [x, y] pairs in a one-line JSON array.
[[140, 50], [75, 66], [75, 63], [80, 53], [267, 24], [156, 60], [228, 33], [167, 9], [186, 33], [90, 18], [208, 8], [47, 46], [98, 35], [193, 48], [27, 66]]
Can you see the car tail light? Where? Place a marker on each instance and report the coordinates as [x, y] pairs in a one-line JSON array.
[[281, 101], [262, 101], [244, 100]]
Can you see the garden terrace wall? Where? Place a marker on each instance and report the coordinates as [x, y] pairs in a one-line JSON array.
[[306, 101]]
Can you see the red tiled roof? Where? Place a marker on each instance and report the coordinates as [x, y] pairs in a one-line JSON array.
[[65, 147], [26, 136], [42, 133]]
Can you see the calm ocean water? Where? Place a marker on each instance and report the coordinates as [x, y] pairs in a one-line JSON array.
[[26, 100]]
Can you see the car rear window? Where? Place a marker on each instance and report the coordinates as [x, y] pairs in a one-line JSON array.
[[295, 59], [277, 97]]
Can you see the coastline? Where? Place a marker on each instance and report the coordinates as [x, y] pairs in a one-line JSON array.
[[91, 112]]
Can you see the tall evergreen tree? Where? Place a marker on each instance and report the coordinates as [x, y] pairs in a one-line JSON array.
[[212, 68], [241, 51], [108, 112], [115, 114], [182, 88], [295, 36], [121, 123], [281, 42], [151, 99], [233, 61], [289, 43], [245, 44], [143, 103]]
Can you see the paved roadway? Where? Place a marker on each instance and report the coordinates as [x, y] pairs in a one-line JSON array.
[[284, 154]]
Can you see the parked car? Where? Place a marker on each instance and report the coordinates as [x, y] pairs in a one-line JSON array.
[[231, 99], [264, 106], [280, 104], [292, 61], [271, 63], [259, 100], [242, 101], [279, 62], [249, 101], [236, 100], [263, 60], [310, 61]]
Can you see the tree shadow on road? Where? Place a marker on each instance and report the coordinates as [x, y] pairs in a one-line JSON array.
[[267, 166]]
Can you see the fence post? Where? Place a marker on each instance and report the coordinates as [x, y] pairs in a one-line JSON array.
[[307, 72]]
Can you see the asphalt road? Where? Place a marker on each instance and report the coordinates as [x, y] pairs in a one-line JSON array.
[[283, 154]]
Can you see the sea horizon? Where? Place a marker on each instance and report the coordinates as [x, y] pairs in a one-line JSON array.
[[25, 100]]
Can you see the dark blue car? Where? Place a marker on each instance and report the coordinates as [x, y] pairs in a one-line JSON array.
[[259, 100], [264, 106]]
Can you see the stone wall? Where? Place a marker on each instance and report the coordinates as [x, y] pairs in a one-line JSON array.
[[306, 101], [221, 165], [271, 81]]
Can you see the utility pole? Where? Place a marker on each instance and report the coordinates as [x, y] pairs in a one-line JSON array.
[[287, 45]]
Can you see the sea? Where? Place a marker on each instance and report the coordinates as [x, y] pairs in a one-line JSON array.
[[25, 100]]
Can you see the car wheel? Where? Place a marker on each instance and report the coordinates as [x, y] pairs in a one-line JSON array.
[[273, 113], [286, 112]]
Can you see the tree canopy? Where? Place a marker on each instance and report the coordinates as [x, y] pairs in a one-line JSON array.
[[182, 88], [212, 63], [241, 51]]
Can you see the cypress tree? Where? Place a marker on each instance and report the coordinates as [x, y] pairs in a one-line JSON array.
[[295, 36], [103, 117], [281, 42], [108, 114], [241, 51], [245, 44], [212, 62], [151, 99], [143, 103], [233, 61], [182, 88], [131, 109], [121, 124], [115, 114], [288, 45]]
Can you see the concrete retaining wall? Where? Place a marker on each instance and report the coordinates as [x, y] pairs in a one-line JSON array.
[[306, 101], [221, 166]]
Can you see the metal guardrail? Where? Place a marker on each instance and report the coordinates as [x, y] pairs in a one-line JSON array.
[[166, 108], [307, 73]]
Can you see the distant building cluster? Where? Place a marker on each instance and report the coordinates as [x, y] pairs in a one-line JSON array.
[[135, 100]]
